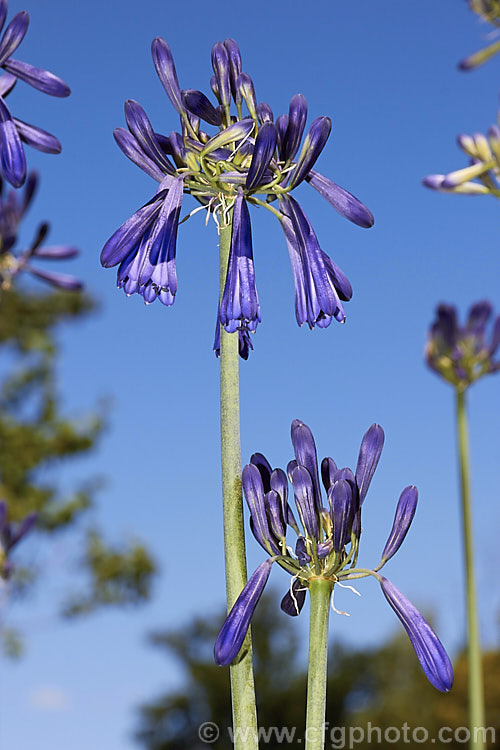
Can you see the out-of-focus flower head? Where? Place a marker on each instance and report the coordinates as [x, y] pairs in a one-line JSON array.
[[250, 158], [10, 535], [489, 12], [463, 354], [13, 206], [482, 176], [327, 541], [15, 132]]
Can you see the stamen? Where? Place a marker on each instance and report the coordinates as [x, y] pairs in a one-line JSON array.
[[226, 207], [351, 588], [240, 144], [216, 221], [207, 219], [193, 212], [294, 598], [334, 608], [293, 595], [343, 586], [216, 218]]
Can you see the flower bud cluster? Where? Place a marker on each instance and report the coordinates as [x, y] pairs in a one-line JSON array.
[[13, 206], [482, 176]]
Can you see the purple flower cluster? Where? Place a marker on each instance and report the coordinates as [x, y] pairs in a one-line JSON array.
[[482, 176], [13, 206], [11, 535], [14, 132], [462, 354], [327, 541], [252, 159]]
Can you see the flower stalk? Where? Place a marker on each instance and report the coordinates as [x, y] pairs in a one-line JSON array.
[[320, 590], [475, 674], [242, 682]]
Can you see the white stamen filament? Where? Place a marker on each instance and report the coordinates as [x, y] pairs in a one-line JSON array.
[[351, 588], [343, 586], [294, 578], [240, 144], [293, 595]]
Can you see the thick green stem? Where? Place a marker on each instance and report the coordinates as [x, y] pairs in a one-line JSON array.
[[242, 683], [475, 671], [320, 590]]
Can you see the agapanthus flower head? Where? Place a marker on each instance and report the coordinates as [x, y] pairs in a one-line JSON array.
[[250, 159], [13, 206], [462, 354], [10, 535], [14, 132], [327, 540], [489, 12], [482, 175]]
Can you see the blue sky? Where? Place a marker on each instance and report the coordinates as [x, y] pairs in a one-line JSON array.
[[387, 78]]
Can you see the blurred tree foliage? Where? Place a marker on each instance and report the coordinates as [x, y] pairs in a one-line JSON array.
[[381, 687], [36, 436]]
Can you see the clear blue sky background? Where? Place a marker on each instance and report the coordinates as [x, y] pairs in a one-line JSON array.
[[386, 75]]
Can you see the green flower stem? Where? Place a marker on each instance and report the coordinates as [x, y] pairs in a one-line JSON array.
[[263, 204], [320, 590], [242, 683], [476, 693]]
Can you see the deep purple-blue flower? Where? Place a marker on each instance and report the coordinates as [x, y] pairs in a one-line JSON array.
[[429, 649], [236, 625], [15, 132], [252, 159], [13, 205], [327, 543], [463, 354], [405, 510]]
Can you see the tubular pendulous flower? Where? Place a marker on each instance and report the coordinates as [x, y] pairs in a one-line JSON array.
[[462, 354], [14, 132], [252, 159], [327, 541], [13, 206]]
